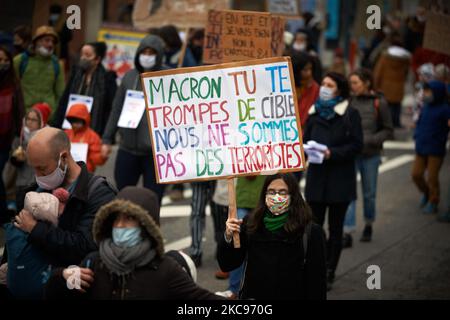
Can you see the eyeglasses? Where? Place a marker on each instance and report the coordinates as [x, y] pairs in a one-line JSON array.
[[271, 192]]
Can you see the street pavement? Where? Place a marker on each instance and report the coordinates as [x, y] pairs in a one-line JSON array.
[[411, 249]]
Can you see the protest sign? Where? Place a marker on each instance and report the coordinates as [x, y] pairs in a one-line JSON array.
[[79, 151], [132, 110], [180, 13], [242, 35], [222, 121], [283, 7], [233, 35], [121, 49], [437, 33], [277, 43]]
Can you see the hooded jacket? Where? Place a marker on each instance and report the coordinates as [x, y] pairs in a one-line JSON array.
[[86, 135], [390, 73], [161, 279], [135, 141], [432, 127]]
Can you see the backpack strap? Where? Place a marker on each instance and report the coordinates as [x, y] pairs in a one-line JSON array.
[[95, 182], [376, 104], [306, 237], [24, 57], [56, 67]]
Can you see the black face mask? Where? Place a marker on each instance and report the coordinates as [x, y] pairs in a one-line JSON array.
[[18, 48], [86, 64]]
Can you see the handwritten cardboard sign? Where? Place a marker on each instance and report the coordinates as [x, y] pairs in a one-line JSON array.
[[226, 120], [232, 35], [437, 33], [283, 7], [277, 43], [121, 49], [181, 13]]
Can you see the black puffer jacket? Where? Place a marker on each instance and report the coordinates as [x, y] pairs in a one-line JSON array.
[[376, 122]]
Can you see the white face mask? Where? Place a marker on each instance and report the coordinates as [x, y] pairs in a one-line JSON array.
[[299, 46], [43, 51], [326, 93], [54, 179], [147, 61]]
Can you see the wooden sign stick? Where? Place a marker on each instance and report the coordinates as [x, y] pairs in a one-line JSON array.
[[232, 210], [183, 48]]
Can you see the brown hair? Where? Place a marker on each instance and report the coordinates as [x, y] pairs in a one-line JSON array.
[[10, 79], [365, 75], [299, 213]]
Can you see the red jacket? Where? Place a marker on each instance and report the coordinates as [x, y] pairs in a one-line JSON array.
[[86, 135], [306, 98]]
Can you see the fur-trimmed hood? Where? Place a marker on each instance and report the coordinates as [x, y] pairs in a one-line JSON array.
[[102, 228]]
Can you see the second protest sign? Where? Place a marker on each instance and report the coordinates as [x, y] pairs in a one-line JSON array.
[[227, 120]]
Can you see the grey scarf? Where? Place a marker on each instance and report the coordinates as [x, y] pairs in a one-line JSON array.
[[122, 261]]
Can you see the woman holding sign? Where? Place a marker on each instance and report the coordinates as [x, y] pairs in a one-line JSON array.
[[334, 129], [282, 250]]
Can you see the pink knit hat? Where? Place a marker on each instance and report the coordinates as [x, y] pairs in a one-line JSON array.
[[45, 206]]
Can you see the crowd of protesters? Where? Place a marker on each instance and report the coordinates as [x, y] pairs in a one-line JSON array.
[[112, 232]]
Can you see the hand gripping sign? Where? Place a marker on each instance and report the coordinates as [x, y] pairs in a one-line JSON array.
[[223, 121]]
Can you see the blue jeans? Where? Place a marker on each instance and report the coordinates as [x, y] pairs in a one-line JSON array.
[[368, 168], [130, 167], [236, 274]]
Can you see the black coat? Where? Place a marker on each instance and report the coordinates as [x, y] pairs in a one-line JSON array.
[[103, 87], [334, 180], [72, 240], [161, 279], [275, 264]]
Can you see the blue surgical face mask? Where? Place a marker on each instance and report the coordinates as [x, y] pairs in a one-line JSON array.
[[326, 93], [126, 237]]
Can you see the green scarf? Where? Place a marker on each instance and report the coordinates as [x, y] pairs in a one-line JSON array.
[[273, 223]]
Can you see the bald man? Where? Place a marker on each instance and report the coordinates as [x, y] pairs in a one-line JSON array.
[[49, 155]]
